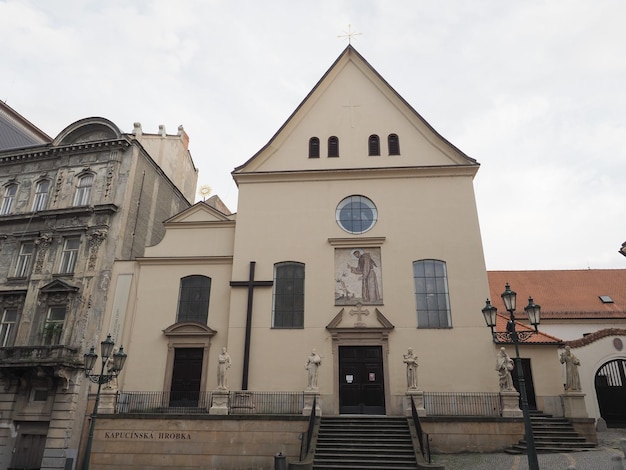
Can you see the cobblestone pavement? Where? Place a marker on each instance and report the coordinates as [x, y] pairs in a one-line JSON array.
[[596, 459]]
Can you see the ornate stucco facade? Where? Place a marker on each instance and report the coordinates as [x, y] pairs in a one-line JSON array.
[[70, 207]]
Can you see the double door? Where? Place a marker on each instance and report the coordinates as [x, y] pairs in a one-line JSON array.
[[361, 380]]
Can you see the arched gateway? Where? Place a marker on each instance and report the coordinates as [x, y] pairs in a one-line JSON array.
[[610, 383]]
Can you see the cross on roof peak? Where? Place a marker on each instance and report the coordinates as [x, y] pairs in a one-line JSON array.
[[349, 34]]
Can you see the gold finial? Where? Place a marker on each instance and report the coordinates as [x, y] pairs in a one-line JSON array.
[[204, 191], [349, 34]]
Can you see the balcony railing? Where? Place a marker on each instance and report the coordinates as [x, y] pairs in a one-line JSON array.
[[51, 355], [462, 404], [239, 402]]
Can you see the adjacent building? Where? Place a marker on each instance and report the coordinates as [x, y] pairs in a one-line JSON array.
[[586, 308], [69, 207]]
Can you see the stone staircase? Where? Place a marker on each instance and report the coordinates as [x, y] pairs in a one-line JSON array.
[[364, 443], [552, 435]]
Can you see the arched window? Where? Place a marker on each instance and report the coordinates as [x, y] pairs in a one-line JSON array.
[[288, 295], [83, 190], [9, 198], [393, 143], [374, 145], [431, 294], [193, 299], [314, 147], [41, 195], [333, 146]]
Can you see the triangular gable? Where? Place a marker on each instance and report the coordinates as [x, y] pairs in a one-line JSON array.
[[352, 101], [199, 212], [58, 286]]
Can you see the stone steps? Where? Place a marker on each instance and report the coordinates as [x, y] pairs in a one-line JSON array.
[[364, 443], [552, 435]]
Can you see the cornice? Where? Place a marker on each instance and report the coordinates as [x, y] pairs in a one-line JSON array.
[[186, 260], [357, 174], [357, 241], [40, 153]]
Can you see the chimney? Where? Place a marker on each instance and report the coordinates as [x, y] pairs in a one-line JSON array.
[[184, 137]]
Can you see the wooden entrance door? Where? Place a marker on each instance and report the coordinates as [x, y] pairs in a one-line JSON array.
[[28, 452], [528, 380], [610, 382], [361, 383], [186, 377]]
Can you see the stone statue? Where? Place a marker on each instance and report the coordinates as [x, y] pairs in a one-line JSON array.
[[572, 379], [313, 362], [223, 364], [504, 366], [410, 360]]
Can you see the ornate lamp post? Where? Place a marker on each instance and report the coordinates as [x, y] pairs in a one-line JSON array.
[[119, 358], [533, 311], [622, 250]]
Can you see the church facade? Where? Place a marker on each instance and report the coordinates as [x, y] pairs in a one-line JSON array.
[[356, 239]]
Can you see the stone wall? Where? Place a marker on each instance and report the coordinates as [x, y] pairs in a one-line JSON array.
[[472, 434], [203, 442]]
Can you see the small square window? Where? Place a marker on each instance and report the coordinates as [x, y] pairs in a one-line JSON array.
[[606, 299]]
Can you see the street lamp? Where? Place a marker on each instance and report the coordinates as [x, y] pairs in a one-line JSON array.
[[119, 358], [622, 250], [533, 311]]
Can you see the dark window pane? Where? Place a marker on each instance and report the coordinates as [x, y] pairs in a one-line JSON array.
[[431, 294], [193, 304], [288, 295]]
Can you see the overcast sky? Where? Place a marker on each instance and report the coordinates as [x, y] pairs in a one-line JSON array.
[[533, 90]]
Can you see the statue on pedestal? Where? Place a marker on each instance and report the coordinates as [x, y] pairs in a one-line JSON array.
[[223, 364], [572, 379], [410, 360], [504, 366], [313, 362]]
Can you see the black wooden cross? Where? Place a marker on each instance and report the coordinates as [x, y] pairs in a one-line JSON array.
[[250, 284]]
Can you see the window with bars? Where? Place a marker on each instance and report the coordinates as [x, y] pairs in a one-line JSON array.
[[83, 190], [24, 259], [374, 145], [69, 256], [314, 147], [41, 195], [8, 324], [431, 294], [333, 146], [193, 300], [393, 142], [288, 294], [9, 199]]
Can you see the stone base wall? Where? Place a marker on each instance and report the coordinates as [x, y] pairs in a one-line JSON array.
[[190, 442], [448, 435]]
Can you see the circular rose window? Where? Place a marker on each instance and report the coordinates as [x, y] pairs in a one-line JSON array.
[[356, 214]]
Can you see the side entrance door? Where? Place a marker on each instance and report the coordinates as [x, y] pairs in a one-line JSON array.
[[29, 447], [361, 383], [528, 380], [186, 377]]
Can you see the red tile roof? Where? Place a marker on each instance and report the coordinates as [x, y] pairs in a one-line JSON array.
[[564, 294]]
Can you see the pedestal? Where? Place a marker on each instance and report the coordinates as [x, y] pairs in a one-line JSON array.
[[574, 405], [418, 399], [309, 397], [219, 406], [107, 401], [510, 404]]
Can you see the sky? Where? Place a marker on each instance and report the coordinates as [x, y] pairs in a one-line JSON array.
[[535, 91]]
